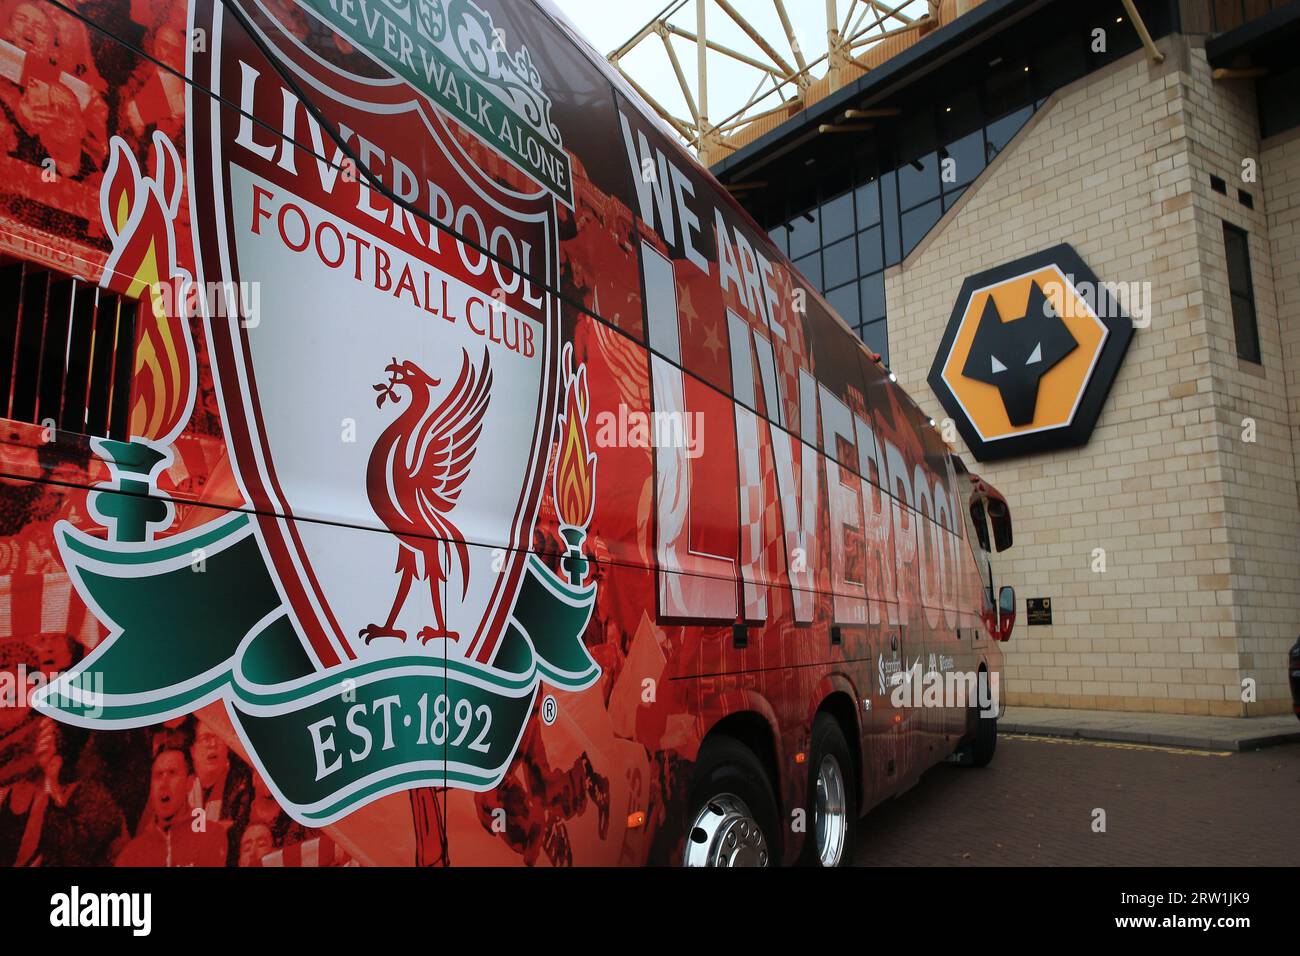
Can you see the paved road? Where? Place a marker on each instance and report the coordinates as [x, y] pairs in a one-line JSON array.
[[1033, 806]]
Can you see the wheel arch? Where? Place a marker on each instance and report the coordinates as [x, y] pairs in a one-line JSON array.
[[756, 731]]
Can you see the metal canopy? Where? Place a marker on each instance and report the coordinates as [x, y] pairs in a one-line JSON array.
[[779, 64]]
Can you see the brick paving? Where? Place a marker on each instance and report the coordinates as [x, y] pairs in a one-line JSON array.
[[1033, 806]]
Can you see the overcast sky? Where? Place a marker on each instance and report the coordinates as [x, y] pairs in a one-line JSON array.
[[608, 23]]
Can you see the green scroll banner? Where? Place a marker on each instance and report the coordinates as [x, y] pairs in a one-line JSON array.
[[197, 618]]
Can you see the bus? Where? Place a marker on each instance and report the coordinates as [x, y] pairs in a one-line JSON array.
[[412, 456]]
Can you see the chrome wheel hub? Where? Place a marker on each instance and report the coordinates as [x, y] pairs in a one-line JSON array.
[[830, 814], [725, 833]]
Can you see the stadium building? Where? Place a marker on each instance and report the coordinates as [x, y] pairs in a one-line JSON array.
[[1072, 230]]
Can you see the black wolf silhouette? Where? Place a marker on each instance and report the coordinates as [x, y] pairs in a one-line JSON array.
[[1015, 355]]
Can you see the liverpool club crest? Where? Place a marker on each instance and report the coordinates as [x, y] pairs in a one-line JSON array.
[[375, 618]]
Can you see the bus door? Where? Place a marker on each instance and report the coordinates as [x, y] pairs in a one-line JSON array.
[[988, 528]]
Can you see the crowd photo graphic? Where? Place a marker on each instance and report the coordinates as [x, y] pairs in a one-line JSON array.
[[173, 794]]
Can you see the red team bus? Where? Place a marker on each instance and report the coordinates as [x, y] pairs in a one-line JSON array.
[[412, 456]]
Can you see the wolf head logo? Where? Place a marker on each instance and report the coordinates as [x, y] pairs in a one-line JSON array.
[[1015, 355]]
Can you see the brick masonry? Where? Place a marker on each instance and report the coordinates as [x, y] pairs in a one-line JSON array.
[[1200, 526]]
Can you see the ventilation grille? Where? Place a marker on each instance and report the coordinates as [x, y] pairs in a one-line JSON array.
[[66, 351]]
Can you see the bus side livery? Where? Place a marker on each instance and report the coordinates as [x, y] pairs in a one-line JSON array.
[[410, 455]]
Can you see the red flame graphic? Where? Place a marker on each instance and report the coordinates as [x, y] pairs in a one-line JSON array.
[[575, 468], [138, 212]]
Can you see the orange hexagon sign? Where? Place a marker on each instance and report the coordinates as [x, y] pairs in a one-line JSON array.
[[1029, 355]]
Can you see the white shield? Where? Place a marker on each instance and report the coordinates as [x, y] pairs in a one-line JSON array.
[[345, 290]]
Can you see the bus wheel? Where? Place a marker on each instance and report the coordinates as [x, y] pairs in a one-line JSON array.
[[834, 809], [982, 732], [733, 813]]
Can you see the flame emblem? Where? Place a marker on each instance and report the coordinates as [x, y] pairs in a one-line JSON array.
[[139, 212], [575, 468]]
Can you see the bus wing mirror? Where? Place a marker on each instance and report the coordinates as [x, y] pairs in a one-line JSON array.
[[1006, 612], [1000, 519]]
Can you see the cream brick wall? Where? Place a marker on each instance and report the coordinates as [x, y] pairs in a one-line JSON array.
[[1199, 528], [1263, 524]]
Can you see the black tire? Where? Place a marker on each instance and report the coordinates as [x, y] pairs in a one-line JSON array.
[[982, 737], [828, 740], [726, 769]]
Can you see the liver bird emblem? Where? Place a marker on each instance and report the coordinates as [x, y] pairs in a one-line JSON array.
[[414, 479]]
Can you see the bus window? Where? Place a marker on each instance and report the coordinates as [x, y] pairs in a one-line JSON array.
[[979, 538], [980, 524]]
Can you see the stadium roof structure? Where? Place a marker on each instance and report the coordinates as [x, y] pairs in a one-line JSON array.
[[763, 46]]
